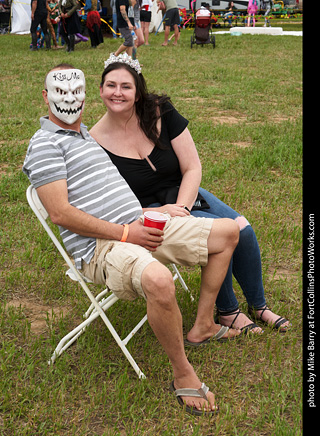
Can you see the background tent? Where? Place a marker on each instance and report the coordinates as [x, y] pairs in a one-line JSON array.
[[156, 18], [20, 16]]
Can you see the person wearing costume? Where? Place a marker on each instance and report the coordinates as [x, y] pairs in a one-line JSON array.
[[252, 10], [70, 23], [93, 22], [52, 21], [154, 151]]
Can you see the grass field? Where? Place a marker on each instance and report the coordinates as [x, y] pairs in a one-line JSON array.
[[244, 103]]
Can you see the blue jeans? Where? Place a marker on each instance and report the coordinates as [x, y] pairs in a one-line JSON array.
[[114, 24], [245, 264]]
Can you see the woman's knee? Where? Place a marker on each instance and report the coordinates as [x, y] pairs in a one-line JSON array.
[[242, 222], [247, 234]]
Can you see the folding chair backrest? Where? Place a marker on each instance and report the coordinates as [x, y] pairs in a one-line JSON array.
[[41, 213]]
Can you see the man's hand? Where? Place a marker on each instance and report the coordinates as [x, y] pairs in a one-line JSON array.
[[148, 237]]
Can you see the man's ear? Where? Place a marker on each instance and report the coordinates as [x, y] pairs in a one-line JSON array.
[[45, 96]]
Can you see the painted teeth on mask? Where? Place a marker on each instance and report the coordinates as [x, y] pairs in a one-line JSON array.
[[68, 111]]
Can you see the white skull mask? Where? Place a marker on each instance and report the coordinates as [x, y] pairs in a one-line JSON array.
[[66, 94]]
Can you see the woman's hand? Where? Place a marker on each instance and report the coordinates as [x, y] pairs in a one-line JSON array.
[[175, 210], [171, 209]]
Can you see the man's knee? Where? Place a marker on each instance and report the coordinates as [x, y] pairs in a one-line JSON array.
[[224, 235], [158, 284], [234, 232]]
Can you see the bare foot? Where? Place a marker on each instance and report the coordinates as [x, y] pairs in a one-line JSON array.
[[197, 335], [164, 44]]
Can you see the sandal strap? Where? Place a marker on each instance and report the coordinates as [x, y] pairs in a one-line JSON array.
[[253, 312], [278, 323], [188, 392], [223, 330], [248, 327], [235, 312]]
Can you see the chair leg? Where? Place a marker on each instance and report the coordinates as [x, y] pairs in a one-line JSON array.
[[177, 275], [71, 337]]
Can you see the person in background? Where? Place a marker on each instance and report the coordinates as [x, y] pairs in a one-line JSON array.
[[266, 5], [145, 18], [39, 15], [93, 22], [125, 26], [172, 18], [114, 18], [70, 23], [52, 21], [229, 14], [252, 10], [139, 40]]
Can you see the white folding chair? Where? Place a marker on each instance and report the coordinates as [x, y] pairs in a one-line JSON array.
[[99, 304]]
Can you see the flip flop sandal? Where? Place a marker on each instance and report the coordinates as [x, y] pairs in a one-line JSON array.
[[199, 393], [276, 325], [246, 329], [217, 337]]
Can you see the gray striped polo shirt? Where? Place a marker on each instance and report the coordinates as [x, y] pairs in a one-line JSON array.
[[95, 186]]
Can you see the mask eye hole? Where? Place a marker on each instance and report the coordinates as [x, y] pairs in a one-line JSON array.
[[60, 91], [77, 91]]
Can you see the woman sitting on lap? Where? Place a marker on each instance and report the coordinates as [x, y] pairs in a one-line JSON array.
[[149, 142]]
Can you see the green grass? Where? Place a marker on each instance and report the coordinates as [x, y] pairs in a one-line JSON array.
[[244, 103]]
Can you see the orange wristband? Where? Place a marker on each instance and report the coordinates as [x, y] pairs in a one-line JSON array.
[[125, 233]]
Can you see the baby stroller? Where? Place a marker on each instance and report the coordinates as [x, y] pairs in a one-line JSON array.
[[202, 30]]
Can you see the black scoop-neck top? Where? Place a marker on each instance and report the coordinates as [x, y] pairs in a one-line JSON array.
[[146, 180]]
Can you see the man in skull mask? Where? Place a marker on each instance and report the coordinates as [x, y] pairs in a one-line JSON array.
[[101, 226]]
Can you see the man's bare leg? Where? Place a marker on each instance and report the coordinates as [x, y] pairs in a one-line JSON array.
[[123, 48], [176, 34], [165, 320], [166, 35], [164, 315]]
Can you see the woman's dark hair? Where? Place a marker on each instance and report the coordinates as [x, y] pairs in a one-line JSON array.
[[149, 106]]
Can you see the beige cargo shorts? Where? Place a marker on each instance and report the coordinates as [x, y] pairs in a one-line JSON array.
[[119, 265]]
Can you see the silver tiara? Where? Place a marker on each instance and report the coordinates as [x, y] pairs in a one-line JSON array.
[[123, 58]]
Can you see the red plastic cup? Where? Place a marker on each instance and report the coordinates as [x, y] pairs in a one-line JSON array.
[[155, 219]]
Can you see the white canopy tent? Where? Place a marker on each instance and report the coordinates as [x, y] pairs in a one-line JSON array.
[[156, 18], [20, 17]]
